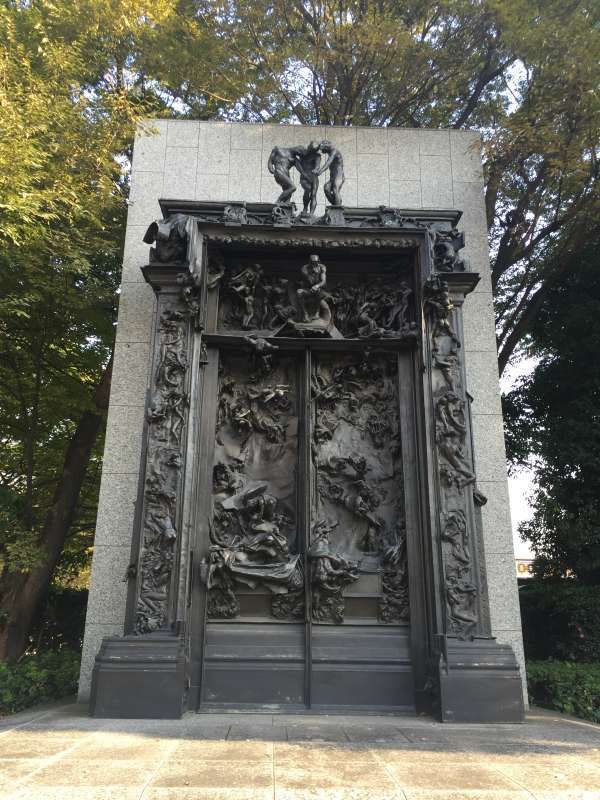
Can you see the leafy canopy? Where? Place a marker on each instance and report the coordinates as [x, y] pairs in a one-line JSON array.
[[555, 416], [68, 116]]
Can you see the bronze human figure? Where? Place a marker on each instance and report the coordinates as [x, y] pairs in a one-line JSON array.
[[281, 161], [335, 164], [308, 165], [311, 295]]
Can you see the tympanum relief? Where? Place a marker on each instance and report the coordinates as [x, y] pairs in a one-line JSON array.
[[309, 301]]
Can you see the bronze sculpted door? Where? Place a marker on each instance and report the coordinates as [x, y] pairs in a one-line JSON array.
[[308, 526], [304, 577]]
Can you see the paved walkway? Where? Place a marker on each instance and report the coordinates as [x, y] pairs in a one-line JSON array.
[[61, 754]]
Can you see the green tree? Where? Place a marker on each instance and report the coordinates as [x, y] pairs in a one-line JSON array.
[[68, 114], [554, 417]]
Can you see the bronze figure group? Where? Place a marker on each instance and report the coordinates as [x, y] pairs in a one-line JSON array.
[[307, 160]]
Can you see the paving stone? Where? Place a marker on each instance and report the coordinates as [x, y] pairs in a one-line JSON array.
[[13, 770], [424, 736], [180, 731], [207, 793], [33, 745], [228, 751], [247, 731], [577, 794], [75, 727], [450, 777], [466, 794], [435, 754], [327, 733], [77, 793], [114, 747], [550, 756], [313, 753], [211, 774], [338, 794], [551, 775], [212, 718], [73, 771], [374, 733], [342, 776]]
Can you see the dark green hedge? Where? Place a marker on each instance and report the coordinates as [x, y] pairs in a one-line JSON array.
[[60, 620], [566, 687], [38, 678], [561, 620]]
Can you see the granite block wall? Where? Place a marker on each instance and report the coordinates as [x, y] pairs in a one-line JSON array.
[[223, 161]]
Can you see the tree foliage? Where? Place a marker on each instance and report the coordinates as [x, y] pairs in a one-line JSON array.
[[554, 417], [67, 117]]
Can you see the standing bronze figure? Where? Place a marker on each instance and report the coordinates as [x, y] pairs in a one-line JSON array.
[[281, 161], [335, 164], [308, 165]]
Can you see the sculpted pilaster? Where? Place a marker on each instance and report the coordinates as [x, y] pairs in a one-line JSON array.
[[176, 276]]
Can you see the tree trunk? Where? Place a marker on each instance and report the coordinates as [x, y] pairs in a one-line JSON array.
[[22, 592]]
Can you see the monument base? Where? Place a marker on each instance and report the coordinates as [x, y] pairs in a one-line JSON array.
[[480, 681], [139, 677]]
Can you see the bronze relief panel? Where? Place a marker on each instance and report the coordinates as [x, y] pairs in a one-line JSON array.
[[357, 548], [254, 554]]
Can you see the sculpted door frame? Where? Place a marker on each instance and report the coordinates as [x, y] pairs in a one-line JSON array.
[[460, 672]]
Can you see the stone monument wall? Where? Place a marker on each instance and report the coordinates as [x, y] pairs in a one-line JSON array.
[[408, 169]]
